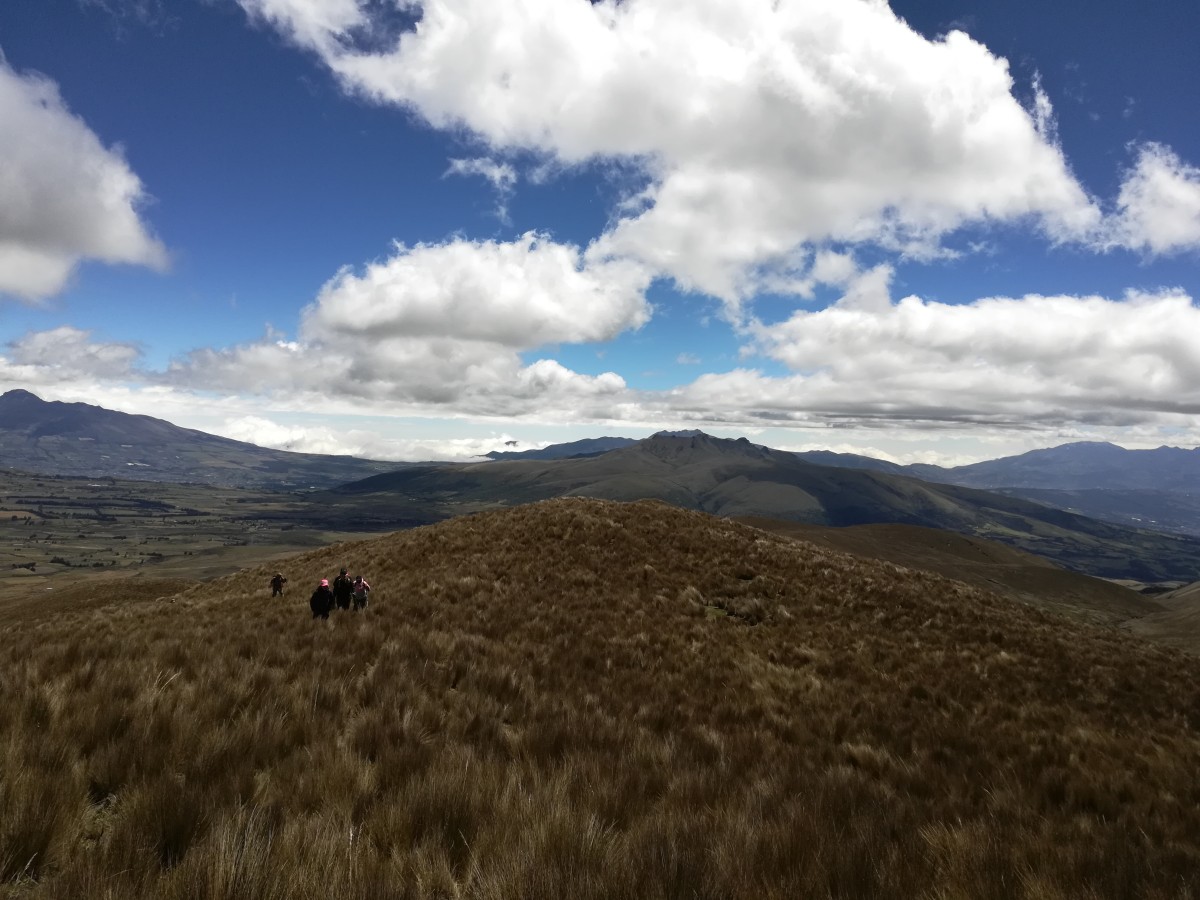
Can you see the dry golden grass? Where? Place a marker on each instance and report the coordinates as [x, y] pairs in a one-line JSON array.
[[589, 699]]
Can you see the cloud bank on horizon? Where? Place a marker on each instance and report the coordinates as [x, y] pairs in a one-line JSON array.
[[777, 164]]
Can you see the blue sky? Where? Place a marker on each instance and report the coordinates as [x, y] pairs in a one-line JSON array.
[[930, 231]]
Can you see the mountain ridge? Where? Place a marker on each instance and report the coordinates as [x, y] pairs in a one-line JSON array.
[[59, 438], [735, 477], [1157, 489]]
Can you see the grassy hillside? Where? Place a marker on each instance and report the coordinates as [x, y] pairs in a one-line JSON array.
[[590, 699], [1178, 625], [986, 564]]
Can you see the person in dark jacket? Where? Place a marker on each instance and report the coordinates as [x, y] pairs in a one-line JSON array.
[[361, 590], [343, 590], [277, 583], [322, 600]]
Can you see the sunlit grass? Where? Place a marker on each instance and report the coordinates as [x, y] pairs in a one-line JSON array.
[[539, 703]]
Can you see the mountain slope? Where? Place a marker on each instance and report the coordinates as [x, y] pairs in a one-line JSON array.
[[737, 478], [585, 447], [595, 700], [1158, 489], [852, 461], [1155, 489], [1177, 625], [985, 564], [1079, 466], [1177, 512], [55, 438]]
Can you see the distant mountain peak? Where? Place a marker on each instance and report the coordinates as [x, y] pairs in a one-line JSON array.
[[676, 445], [1084, 445], [18, 400]]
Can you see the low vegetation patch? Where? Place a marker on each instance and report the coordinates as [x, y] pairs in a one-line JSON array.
[[590, 699]]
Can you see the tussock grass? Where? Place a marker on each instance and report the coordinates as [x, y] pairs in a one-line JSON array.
[[541, 703]]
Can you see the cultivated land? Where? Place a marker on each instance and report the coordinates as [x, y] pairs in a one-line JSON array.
[[590, 699], [57, 530]]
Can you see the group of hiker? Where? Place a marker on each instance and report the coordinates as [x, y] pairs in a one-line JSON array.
[[344, 593]]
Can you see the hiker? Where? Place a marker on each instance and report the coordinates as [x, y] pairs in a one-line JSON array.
[[361, 589], [343, 588], [322, 600], [277, 583]]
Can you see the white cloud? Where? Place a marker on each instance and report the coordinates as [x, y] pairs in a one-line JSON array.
[[918, 381], [402, 377], [303, 437], [317, 24], [1020, 362], [361, 442], [501, 176], [834, 268], [1159, 204], [443, 327], [522, 294], [64, 196], [1071, 367], [1043, 112], [764, 127], [298, 438], [66, 354]]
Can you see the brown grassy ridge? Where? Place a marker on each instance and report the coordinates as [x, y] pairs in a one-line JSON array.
[[990, 565], [591, 699]]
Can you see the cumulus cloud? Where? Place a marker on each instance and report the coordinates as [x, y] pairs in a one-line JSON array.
[[398, 376], [762, 127], [298, 438], [523, 294], [1016, 361], [445, 327], [64, 196], [372, 343], [66, 354], [1159, 204]]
